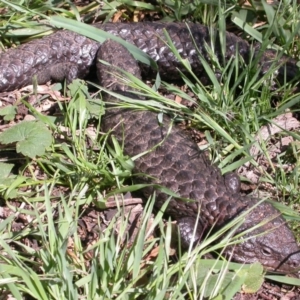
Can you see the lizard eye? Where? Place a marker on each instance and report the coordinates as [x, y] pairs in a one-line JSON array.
[[266, 251]]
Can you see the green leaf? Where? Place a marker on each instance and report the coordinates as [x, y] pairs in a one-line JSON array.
[[78, 90], [5, 170], [254, 278], [285, 280], [8, 112], [31, 138]]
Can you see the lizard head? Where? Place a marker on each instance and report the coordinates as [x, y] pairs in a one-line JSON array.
[[271, 242]]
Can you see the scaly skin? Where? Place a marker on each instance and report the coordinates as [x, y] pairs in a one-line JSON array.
[[66, 54], [177, 163]]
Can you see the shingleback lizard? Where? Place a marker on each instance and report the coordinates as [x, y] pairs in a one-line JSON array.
[[177, 163]]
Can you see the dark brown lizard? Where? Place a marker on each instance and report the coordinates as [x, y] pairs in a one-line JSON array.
[[177, 163], [68, 55]]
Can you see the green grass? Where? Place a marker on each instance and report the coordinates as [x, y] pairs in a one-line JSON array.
[[90, 171]]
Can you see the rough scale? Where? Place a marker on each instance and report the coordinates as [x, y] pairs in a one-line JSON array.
[[176, 164]]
